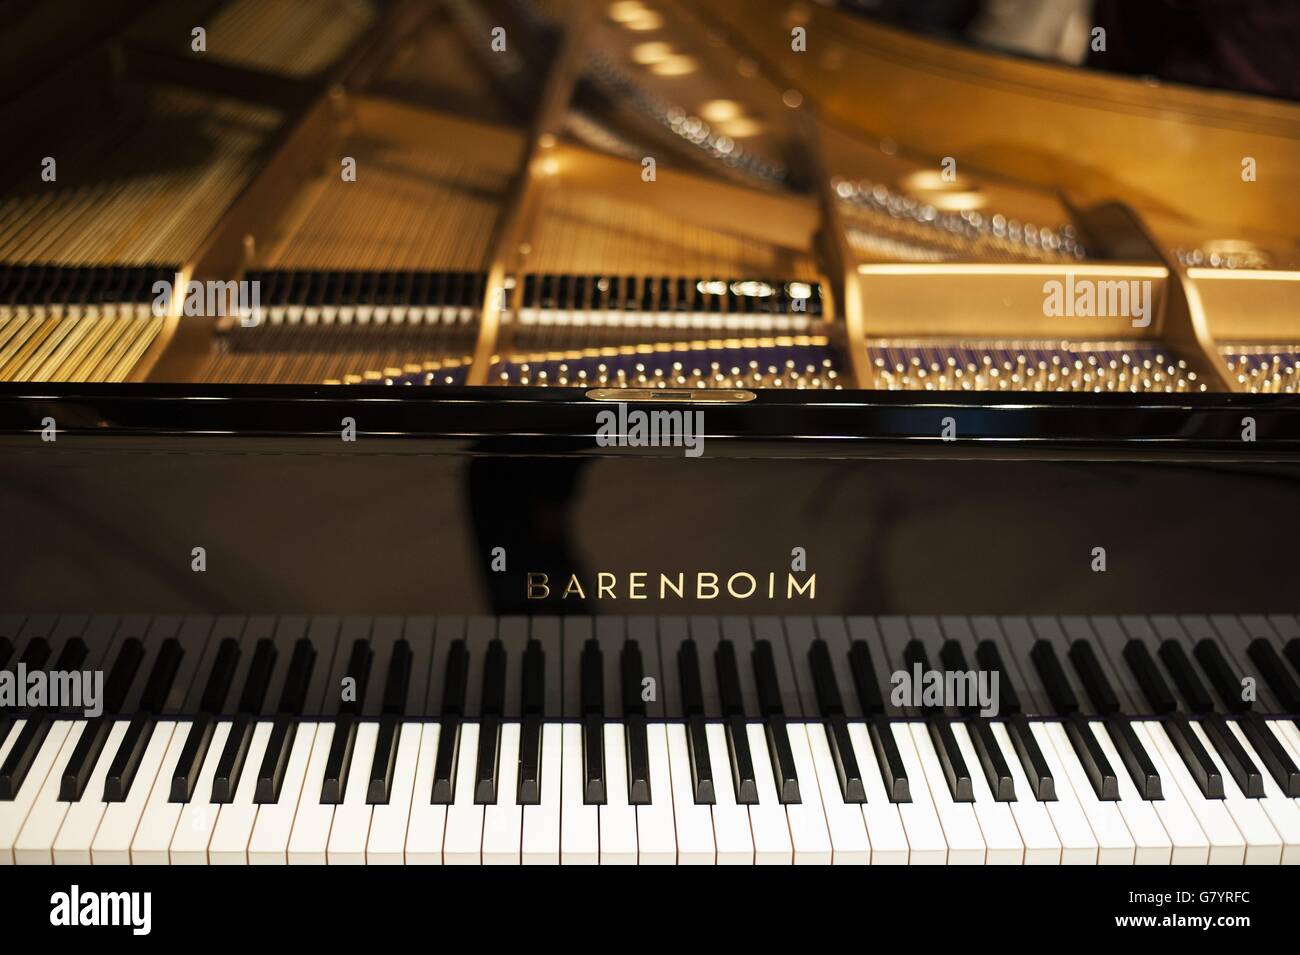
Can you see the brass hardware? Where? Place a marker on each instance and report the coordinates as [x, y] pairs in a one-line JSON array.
[[699, 396]]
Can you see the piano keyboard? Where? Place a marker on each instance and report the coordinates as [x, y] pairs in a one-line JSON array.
[[654, 741]]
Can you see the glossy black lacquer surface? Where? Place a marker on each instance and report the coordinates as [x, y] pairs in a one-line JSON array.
[[1006, 518]]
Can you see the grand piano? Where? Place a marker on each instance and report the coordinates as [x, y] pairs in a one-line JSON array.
[[528, 431]]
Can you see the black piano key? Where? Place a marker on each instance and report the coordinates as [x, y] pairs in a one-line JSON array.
[[638, 761], [732, 700], [825, 687], [233, 756], [530, 761], [1001, 783], [380, 788], [688, 667], [592, 693], [492, 700], [485, 772], [773, 712], [769, 686], [18, 763], [1035, 766], [1092, 757], [444, 763], [593, 760], [1265, 656], [1240, 766], [1223, 678], [359, 661], [1054, 682], [951, 760], [455, 685], [293, 698], [889, 759], [730, 696], [339, 761], [636, 740], [73, 655], [456, 679], [259, 677], [852, 789], [1292, 651], [778, 745], [6, 724], [122, 675], [37, 653], [162, 676], [953, 658], [76, 774], [1135, 758], [914, 655], [989, 658], [1154, 688], [1195, 757], [1176, 661], [697, 745], [270, 775], [1274, 755], [398, 680], [1093, 678], [126, 763], [220, 677], [193, 753], [742, 762], [533, 681]]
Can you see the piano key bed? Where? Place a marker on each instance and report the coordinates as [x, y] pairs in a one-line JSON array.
[[1110, 740]]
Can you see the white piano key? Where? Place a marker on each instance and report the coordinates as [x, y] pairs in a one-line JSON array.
[[351, 825], [848, 831], [961, 831], [695, 844], [1152, 845], [1263, 844], [386, 844], [541, 838], [1190, 845], [12, 813], [808, 832], [112, 845], [1115, 844], [617, 816], [81, 824], [884, 824], [655, 827], [579, 822], [309, 838], [1281, 810], [199, 815], [463, 843], [1078, 842], [34, 844], [1033, 821], [235, 821], [503, 821], [767, 820], [1002, 842], [153, 836], [426, 829], [731, 833], [269, 844], [925, 834], [1227, 845]]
